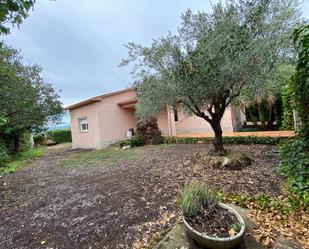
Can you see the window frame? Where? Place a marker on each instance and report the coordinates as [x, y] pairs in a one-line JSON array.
[[80, 124]]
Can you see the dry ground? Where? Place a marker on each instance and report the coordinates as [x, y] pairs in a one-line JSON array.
[[112, 202]]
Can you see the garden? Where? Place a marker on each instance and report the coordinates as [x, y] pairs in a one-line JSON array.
[[150, 191]]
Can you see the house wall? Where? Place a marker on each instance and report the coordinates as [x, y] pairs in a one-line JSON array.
[[194, 124], [115, 121], [163, 123], [238, 118], [91, 138], [108, 123]]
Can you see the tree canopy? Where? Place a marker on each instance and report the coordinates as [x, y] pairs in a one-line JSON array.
[[13, 12], [212, 58], [27, 103]]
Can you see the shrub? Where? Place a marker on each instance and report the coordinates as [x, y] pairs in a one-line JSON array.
[[125, 142], [137, 141], [4, 157], [60, 136], [195, 195], [25, 142], [39, 139]]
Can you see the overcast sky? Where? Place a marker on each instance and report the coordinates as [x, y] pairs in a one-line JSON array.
[[80, 43]]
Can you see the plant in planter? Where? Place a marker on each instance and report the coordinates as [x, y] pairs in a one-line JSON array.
[[210, 223]]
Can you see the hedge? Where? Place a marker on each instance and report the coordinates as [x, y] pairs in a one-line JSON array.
[[60, 136], [226, 140]]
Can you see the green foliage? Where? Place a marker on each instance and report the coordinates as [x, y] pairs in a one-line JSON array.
[[60, 136], [212, 58], [261, 201], [295, 164], [194, 196], [39, 139], [107, 157], [287, 104], [125, 142], [21, 160], [295, 154], [137, 140], [27, 102], [236, 227], [227, 140], [13, 12], [300, 81], [4, 157], [134, 141]]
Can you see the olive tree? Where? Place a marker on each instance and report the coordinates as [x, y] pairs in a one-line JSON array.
[[207, 64]]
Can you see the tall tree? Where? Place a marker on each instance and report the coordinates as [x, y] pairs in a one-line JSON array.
[[26, 101], [212, 58], [13, 12]]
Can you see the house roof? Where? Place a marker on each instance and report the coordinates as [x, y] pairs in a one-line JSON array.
[[99, 98]]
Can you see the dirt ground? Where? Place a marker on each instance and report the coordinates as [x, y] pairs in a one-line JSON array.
[[45, 205]]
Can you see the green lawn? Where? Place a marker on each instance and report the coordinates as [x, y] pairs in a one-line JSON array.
[[108, 157], [21, 160]]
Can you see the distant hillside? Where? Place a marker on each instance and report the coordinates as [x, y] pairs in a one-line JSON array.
[[56, 127]]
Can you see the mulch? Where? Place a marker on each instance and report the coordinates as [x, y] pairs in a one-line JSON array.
[[214, 221], [125, 206]]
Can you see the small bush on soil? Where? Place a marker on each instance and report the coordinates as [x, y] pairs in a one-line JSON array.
[[125, 142], [195, 195], [60, 136], [39, 139], [137, 141], [134, 141], [200, 208]]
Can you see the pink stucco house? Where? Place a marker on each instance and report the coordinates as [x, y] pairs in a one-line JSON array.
[[105, 119]]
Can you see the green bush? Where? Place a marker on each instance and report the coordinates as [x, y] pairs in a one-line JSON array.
[[4, 157], [39, 139], [137, 141], [60, 136], [125, 142], [194, 196], [295, 165], [134, 141], [226, 140]]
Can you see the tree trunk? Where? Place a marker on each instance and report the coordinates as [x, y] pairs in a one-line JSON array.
[[218, 142], [16, 142], [271, 117]]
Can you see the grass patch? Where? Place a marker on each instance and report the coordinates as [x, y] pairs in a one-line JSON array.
[[108, 156], [21, 160]]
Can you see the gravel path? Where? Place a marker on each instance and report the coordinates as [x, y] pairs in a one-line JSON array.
[[45, 205]]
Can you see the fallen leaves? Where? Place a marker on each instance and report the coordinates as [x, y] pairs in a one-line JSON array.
[[270, 225]]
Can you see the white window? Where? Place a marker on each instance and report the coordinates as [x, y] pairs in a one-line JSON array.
[[83, 124]]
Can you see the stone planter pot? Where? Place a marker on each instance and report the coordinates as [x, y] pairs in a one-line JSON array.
[[213, 242]]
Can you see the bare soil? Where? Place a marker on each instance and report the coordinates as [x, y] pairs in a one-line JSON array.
[[45, 205]]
